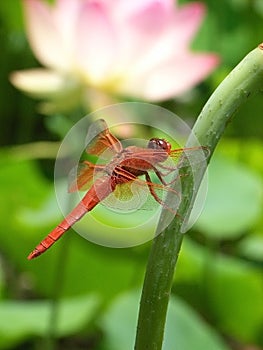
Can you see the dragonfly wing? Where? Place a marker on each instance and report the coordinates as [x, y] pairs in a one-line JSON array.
[[127, 197], [99, 139], [83, 176], [139, 194], [189, 156]]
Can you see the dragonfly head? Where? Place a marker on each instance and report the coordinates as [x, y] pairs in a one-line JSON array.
[[160, 144]]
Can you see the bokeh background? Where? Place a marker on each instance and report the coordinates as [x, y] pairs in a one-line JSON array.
[[83, 296]]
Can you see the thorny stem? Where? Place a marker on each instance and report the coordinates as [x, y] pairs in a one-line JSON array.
[[245, 80]]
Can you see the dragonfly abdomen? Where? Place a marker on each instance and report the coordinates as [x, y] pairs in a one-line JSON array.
[[99, 191]]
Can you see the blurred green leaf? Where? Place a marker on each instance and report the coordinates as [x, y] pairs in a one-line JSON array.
[[258, 4], [228, 289], [22, 187], [191, 262], [23, 320], [48, 212], [252, 247], [2, 280], [105, 271], [185, 330], [58, 124], [235, 297], [234, 199], [248, 151], [11, 14], [28, 206]]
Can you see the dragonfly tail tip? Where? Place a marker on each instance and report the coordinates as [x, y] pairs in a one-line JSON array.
[[33, 254]]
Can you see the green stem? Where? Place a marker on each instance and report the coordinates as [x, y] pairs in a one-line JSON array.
[[245, 80]]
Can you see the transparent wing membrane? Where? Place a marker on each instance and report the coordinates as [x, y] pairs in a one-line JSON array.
[[99, 139], [192, 156], [83, 176], [145, 194]]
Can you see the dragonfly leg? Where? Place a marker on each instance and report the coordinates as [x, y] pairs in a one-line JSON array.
[[166, 167], [155, 196], [151, 189], [160, 175]]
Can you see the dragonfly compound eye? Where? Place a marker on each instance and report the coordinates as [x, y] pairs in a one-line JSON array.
[[159, 144]]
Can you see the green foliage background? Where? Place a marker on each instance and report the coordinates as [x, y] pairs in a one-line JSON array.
[[83, 296]]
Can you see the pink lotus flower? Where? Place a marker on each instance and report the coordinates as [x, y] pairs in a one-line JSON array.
[[136, 48]]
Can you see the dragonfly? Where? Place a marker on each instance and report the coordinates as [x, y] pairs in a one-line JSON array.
[[125, 168]]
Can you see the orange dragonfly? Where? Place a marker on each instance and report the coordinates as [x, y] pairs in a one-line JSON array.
[[124, 168]]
